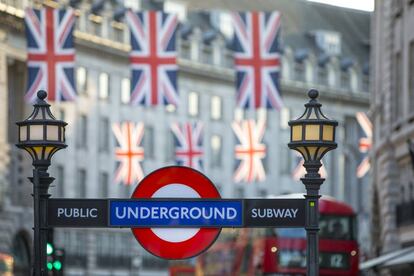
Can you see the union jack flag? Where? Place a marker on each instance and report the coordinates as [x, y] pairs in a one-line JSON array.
[[257, 59], [299, 171], [129, 153], [189, 145], [51, 53], [153, 58], [365, 143], [250, 151]]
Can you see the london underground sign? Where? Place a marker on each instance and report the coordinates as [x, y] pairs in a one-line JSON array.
[[176, 182], [176, 212]]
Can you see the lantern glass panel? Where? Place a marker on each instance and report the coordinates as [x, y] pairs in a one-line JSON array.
[[38, 151], [312, 151], [321, 152], [62, 134], [36, 132], [328, 133], [312, 132], [23, 133], [48, 151], [302, 151], [52, 133], [297, 133]]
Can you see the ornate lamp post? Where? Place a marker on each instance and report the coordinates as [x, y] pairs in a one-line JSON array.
[[41, 135], [312, 135]]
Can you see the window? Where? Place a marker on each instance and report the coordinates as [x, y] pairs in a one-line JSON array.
[[96, 28], [103, 86], [217, 54], [82, 141], [177, 8], [284, 118], [133, 4], [345, 80], [193, 104], [170, 108], [336, 227], [365, 83], [125, 90], [103, 184], [195, 49], [60, 179], [81, 79], [226, 24], [411, 78], [82, 183], [396, 80], [170, 147], [149, 142], [299, 71], [118, 33], [104, 135], [216, 152], [322, 75], [215, 108]]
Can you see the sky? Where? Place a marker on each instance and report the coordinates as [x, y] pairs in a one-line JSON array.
[[365, 5]]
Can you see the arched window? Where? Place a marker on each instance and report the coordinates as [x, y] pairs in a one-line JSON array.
[[21, 255]]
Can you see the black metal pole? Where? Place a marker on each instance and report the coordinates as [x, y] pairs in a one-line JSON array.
[[312, 181], [41, 182]]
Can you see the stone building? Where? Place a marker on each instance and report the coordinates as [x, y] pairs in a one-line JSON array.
[[324, 47], [391, 110]]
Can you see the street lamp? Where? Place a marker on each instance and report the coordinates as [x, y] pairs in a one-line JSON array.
[[41, 135], [312, 135]]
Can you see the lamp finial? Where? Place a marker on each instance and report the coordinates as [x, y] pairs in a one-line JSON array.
[[42, 94], [313, 94]]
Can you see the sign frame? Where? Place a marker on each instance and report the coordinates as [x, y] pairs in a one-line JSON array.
[[52, 222]]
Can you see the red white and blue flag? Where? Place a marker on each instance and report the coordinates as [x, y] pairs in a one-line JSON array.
[[257, 59], [50, 53], [250, 151], [153, 58], [299, 171], [189, 144], [129, 153], [365, 143]]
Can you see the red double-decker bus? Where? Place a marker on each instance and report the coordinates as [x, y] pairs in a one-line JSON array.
[[282, 251]]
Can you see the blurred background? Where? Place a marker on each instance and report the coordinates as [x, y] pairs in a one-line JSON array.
[[205, 111]]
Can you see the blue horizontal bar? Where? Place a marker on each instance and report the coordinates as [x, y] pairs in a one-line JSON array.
[[176, 213]]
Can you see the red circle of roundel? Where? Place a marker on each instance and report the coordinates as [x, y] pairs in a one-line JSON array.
[[204, 237]]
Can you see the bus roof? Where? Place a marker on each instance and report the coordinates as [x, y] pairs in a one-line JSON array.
[[327, 204]]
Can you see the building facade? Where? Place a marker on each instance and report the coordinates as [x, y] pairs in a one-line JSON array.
[[328, 57], [392, 103]]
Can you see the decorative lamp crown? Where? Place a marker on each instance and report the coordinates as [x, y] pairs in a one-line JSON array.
[[312, 134], [41, 135]]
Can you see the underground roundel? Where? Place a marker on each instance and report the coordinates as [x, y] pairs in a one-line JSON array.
[[176, 243]]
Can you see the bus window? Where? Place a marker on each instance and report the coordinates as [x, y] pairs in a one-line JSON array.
[[292, 258], [336, 227], [296, 233]]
